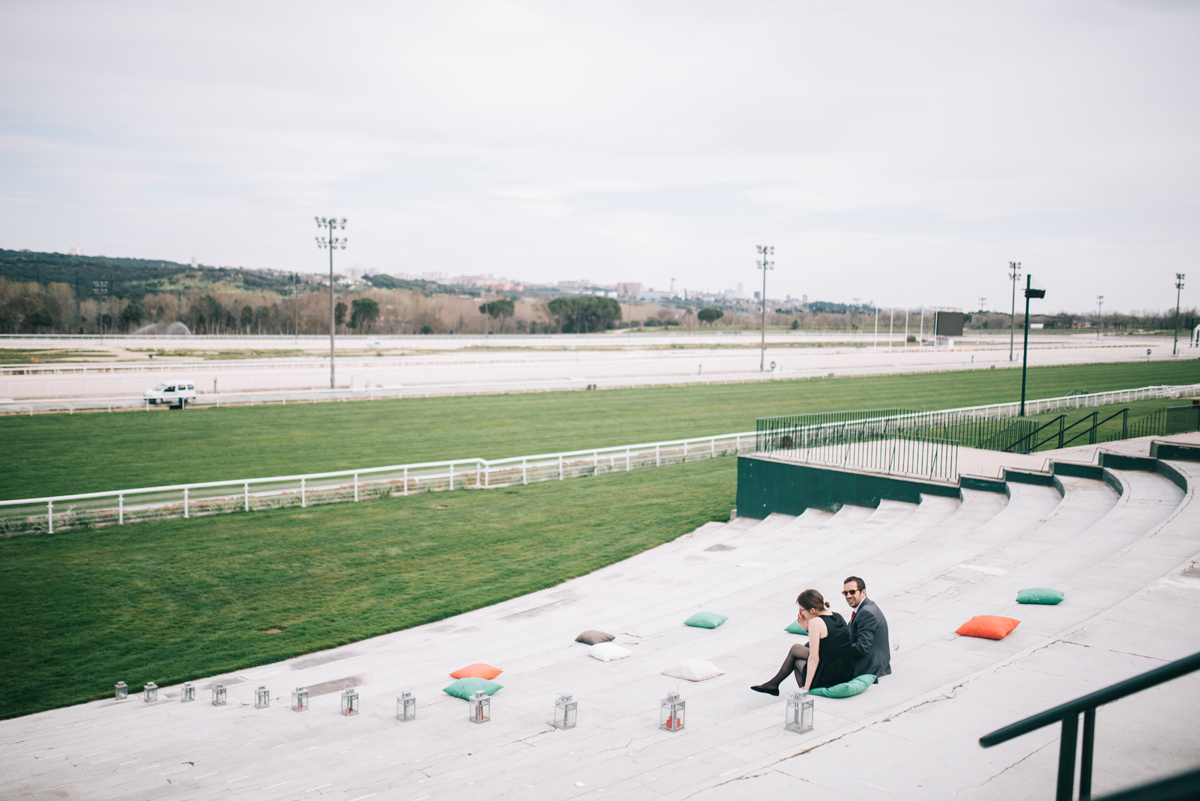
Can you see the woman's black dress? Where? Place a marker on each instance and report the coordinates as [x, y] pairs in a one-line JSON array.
[[836, 664]]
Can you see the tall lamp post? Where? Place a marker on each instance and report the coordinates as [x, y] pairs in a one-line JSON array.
[[1014, 272], [332, 243], [1178, 291], [1030, 292], [1099, 314], [764, 251]]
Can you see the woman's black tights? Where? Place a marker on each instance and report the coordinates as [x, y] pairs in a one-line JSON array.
[[794, 664]]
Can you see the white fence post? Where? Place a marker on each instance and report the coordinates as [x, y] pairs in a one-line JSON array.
[[627, 467], [656, 461], [185, 502], [560, 469], [524, 472], [451, 477], [246, 495], [50, 516], [712, 451], [121, 509], [685, 445], [356, 487], [303, 494], [406, 481]]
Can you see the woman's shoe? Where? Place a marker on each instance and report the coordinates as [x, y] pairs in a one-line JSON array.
[[761, 688]]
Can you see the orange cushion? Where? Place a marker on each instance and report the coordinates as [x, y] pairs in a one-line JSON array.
[[477, 671], [992, 627]]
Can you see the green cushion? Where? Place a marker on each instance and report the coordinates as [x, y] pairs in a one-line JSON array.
[[846, 689], [795, 628], [1040, 595], [465, 688], [705, 620]]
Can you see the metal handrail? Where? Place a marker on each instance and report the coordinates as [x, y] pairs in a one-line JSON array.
[[1069, 713], [1032, 434]]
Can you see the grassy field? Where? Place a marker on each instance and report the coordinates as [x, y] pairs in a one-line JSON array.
[[177, 600], [65, 454]]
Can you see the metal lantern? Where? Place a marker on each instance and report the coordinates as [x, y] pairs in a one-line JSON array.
[[406, 705], [479, 707], [671, 712], [565, 712], [799, 713], [262, 698], [219, 695], [349, 701], [299, 699], [122, 691], [150, 692], [187, 692]]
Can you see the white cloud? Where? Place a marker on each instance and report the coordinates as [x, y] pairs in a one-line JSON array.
[[914, 148]]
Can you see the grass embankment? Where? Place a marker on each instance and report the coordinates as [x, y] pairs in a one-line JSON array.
[[66, 454], [177, 600]]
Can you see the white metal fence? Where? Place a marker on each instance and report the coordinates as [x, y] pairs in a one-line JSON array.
[[116, 507]]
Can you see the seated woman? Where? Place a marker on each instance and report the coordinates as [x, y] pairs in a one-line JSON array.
[[827, 660]]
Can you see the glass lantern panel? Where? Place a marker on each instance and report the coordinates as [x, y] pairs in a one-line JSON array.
[[218, 697], [406, 707], [349, 703], [187, 693], [672, 715], [122, 691], [299, 699], [262, 698], [481, 709]]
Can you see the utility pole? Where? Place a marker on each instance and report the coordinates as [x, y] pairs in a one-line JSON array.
[[1099, 314], [1030, 292], [333, 243], [1178, 291], [1014, 272], [764, 251]]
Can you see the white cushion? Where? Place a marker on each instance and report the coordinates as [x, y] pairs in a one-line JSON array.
[[693, 670], [607, 651]]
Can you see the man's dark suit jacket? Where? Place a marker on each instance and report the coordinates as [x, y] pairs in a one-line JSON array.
[[869, 639]]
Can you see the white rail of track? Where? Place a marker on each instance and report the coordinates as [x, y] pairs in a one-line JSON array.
[[116, 507]]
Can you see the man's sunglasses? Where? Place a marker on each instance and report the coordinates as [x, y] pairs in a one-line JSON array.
[[850, 592]]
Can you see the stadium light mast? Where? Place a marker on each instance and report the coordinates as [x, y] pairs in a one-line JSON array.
[[1099, 314], [333, 243], [1030, 292], [1014, 272], [764, 265], [1178, 291]]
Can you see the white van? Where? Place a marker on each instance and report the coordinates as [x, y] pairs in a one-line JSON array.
[[176, 393]]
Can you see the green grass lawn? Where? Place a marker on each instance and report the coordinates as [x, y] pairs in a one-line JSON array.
[[66, 454], [171, 601]]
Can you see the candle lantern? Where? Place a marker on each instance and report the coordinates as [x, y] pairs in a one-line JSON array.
[[219, 695], [299, 699], [262, 698], [671, 712], [406, 705], [122, 691], [150, 692], [187, 692], [479, 707], [799, 713], [565, 712], [349, 701]]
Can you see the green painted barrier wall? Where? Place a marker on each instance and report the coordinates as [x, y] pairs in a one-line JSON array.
[[769, 487]]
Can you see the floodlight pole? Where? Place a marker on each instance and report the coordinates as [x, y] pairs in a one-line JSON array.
[[764, 265], [333, 243], [1099, 314], [1014, 272], [1030, 292], [1178, 291]]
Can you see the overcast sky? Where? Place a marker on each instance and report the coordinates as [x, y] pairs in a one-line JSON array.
[[902, 153]]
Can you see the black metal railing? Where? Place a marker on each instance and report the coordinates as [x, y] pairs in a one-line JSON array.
[[1068, 714]]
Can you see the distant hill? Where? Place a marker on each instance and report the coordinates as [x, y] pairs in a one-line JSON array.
[[128, 278]]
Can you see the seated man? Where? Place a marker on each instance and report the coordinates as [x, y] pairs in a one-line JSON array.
[[868, 631]]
